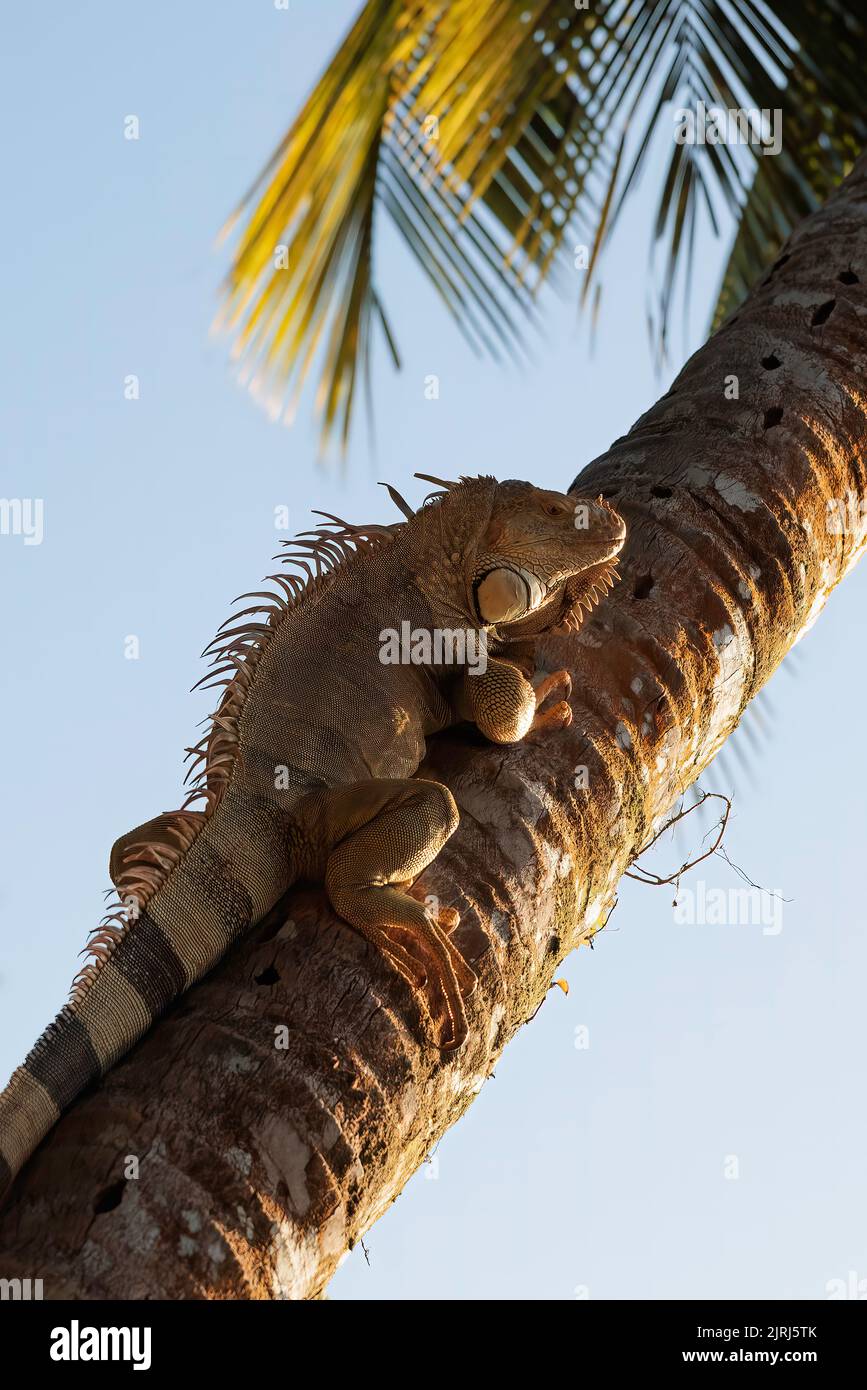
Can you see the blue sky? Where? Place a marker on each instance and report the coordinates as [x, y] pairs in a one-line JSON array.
[[606, 1169]]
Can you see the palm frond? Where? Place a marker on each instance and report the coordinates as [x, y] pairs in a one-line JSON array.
[[494, 133], [823, 137]]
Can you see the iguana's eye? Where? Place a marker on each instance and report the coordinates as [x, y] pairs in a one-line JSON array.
[[554, 508]]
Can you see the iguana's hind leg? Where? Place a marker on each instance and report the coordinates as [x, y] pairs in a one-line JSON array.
[[384, 834]]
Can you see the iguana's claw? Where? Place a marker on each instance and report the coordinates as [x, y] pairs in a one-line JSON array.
[[449, 978], [447, 918], [450, 1016], [452, 1035], [557, 716], [558, 680]]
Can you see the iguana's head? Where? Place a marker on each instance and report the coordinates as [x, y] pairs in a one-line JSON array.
[[514, 549], [534, 543]]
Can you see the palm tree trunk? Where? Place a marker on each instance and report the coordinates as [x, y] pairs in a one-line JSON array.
[[268, 1121]]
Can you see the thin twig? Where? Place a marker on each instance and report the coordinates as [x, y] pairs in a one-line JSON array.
[[738, 870], [656, 881]]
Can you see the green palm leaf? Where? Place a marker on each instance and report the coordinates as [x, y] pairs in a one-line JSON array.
[[496, 133]]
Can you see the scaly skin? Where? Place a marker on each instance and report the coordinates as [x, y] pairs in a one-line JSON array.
[[309, 765]]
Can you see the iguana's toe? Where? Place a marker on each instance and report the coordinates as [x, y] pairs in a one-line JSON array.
[[559, 681], [559, 716], [453, 1035]]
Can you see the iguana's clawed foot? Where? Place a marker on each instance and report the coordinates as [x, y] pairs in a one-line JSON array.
[[446, 1006], [400, 955], [446, 968], [464, 973], [558, 716], [557, 680]]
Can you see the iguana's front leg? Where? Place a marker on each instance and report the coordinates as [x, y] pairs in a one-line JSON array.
[[384, 833], [505, 706]]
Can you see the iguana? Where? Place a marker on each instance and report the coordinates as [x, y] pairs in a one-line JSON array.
[[306, 770]]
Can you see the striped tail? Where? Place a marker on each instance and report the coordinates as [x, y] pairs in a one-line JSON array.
[[187, 925]]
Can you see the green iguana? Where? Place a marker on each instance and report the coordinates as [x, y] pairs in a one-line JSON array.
[[307, 768]]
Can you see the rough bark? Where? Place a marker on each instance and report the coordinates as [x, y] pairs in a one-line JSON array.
[[259, 1165]]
